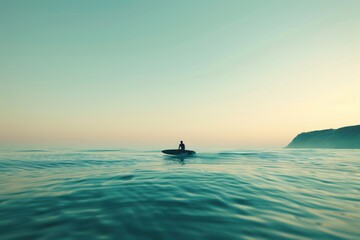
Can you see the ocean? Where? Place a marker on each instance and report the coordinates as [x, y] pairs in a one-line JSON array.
[[215, 194]]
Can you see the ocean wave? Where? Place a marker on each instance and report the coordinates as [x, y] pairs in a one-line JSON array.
[[247, 194]]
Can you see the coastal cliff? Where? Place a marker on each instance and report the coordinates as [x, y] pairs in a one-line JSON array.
[[346, 137]]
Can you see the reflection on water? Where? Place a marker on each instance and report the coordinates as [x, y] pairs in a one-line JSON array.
[[127, 194], [178, 158]]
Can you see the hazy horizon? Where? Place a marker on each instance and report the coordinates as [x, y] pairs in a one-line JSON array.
[[211, 73]]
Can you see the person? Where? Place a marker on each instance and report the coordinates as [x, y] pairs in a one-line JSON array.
[[181, 146]]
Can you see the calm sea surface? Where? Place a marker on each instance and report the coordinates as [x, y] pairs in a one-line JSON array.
[[229, 194]]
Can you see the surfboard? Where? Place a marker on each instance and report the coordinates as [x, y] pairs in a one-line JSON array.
[[178, 152]]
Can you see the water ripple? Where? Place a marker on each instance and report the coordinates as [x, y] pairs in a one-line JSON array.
[[127, 194]]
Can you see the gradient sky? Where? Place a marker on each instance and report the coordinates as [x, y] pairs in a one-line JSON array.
[[143, 73]]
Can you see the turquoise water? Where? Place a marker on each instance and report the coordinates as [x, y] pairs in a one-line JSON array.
[[229, 194]]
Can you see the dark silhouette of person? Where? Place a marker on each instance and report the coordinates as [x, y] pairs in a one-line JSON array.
[[181, 146]]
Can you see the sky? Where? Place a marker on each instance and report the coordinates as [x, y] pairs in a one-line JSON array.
[[151, 73]]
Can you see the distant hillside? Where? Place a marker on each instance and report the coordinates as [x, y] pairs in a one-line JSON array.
[[346, 137]]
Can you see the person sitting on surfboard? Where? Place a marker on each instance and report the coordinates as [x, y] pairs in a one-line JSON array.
[[181, 146]]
